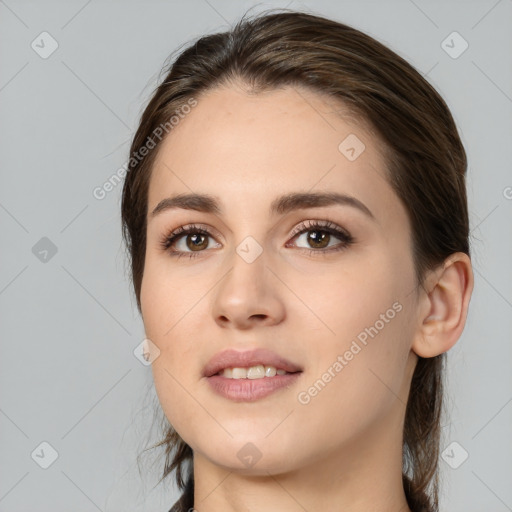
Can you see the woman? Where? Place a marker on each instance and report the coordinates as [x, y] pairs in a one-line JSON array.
[[296, 217]]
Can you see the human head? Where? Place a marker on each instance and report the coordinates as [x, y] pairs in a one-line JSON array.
[[383, 95]]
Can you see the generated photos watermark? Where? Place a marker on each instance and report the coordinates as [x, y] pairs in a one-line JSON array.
[[304, 397], [117, 177]]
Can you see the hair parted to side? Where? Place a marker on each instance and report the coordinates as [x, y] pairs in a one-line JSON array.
[[426, 166]]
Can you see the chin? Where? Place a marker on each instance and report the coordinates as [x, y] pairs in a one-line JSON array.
[[247, 455]]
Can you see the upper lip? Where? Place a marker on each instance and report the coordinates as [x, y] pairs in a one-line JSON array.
[[236, 359]]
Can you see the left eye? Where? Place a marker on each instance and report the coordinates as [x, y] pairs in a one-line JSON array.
[[317, 238]]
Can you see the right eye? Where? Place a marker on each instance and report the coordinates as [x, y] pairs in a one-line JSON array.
[[186, 240]]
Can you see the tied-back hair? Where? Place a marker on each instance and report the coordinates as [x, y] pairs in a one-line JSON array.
[[425, 165]]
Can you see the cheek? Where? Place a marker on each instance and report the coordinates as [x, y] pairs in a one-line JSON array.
[[166, 304], [345, 302], [354, 385], [168, 326], [165, 300], [365, 340]]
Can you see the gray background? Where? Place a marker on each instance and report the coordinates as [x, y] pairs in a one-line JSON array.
[[69, 325]]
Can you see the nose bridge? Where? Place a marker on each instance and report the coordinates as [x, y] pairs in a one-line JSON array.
[[247, 278], [247, 291]]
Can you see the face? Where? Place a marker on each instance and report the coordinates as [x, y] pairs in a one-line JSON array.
[[326, 285]]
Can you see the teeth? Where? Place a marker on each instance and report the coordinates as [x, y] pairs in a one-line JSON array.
[[239, 373], [270, 371], [254, 372]]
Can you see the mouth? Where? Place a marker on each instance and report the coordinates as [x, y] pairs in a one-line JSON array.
[[253, 372], [250, 375], [256, 363], [250, 390]]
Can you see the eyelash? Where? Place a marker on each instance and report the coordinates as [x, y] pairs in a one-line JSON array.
[[324, 226]]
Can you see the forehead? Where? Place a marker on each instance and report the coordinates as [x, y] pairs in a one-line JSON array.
[[249, 148]]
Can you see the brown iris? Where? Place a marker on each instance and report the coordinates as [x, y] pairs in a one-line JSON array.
[[197, 242], [317, 238]]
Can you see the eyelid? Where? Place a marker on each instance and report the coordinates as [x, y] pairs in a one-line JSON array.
[[319, 224], [194, 226]]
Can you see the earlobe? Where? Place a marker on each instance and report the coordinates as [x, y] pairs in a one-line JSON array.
[[444, 306]]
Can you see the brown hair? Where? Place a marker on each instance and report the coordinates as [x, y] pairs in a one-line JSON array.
[[426, 166]]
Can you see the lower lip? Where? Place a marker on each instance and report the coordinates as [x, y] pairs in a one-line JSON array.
[[250, 390]]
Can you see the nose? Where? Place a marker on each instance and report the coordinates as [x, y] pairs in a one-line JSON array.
[[248, 296]]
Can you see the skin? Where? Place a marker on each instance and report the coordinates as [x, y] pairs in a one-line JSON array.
[[343, 449]]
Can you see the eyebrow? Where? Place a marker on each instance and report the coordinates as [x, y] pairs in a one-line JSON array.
[[284, 204]]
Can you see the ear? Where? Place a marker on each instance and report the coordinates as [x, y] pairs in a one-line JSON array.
[[443, 306]]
